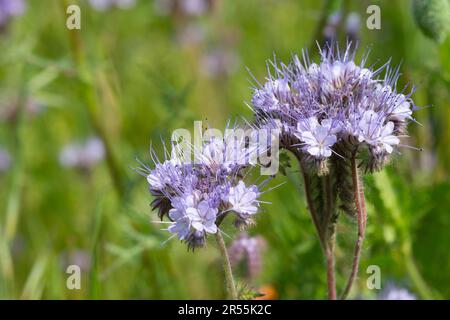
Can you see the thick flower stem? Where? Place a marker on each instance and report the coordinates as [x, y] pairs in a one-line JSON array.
[[231, 287], [361, 217], [327, 246]]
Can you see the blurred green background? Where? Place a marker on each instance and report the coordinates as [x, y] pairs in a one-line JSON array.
[[131, 76]]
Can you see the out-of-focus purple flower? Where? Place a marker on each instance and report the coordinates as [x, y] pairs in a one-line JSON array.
[[186, 7], [352, 108], [219, 62], [353, 27], [80, 258], [203, 217], [9, 9], [5, 160], [103, 5], [377, 134], [249, 250], [82, 155], [243, 200], [317, 138], [391, 292]]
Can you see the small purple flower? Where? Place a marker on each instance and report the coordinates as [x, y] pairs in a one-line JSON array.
[[248, 249], [198, 196], [102, 5], [5, 160], [317, 138], [82, 155], [203, 217], [243, 200], [376, 134], [192, 8], [9, 9], [219, 62], [392, 292], [402, 109], [273, 96]]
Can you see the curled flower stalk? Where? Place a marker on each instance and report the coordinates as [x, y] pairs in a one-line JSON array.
[[339, 119]]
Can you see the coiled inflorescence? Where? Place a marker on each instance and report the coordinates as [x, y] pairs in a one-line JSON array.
[[196, 196], [334, 107]]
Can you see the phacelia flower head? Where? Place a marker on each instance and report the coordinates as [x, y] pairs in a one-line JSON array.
[[334, 106], [196, 196]]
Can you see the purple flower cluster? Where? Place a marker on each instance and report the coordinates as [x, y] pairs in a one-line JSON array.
[[9, 9], [197, 196], [336, 102]]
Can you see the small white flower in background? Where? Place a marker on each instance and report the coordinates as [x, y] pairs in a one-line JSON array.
[[243, 200], [82, 156], [374, 133]]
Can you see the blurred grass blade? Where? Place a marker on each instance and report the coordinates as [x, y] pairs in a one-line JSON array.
[[94, 279], [34, 286]]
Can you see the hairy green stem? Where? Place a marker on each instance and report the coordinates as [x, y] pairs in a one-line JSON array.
[[361, 217], [229, 280]]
